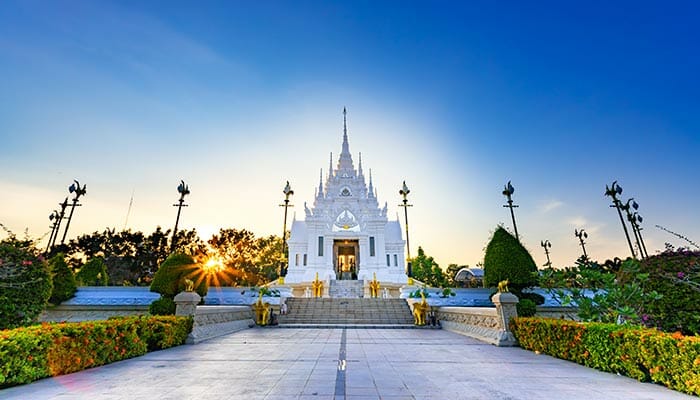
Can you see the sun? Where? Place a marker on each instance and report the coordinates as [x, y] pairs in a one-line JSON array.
[[212, 266]]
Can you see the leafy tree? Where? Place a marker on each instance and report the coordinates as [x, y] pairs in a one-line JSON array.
[[507, 259], [25, 282], [426, 270], [248, 261], [93, 273], [451, 273], [64, 285], [131, 258]]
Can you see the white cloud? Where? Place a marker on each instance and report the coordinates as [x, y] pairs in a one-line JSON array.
[[552, 205]]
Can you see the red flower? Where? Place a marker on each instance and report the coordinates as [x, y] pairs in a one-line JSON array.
[[27, 262]]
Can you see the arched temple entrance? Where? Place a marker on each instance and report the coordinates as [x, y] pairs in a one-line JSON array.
[[346, 258]]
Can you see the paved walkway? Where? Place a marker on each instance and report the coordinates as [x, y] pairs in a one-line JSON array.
[[341, 364]]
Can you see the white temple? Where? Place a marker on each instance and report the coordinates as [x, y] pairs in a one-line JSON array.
[[346, 235]]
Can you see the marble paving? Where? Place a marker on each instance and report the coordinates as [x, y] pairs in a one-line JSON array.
[[342, 364]]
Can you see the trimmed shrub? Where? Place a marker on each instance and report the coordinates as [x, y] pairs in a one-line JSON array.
[[93, 273], [25, 283], [162, 306], [526, 308], [672, 360], [506, 258], [55, 349], [676, 276], [64, 285], [169, 280]]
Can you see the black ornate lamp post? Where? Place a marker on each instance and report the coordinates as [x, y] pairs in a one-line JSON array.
[[581, 235], [287, 192], [630, 203], [55, 217], [404, 192], [613, 191], [79, 191], [61, 217], [184, 190], [508, 191], [636, 220], [547, 245]]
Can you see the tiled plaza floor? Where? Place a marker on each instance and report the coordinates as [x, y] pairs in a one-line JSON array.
[[275, 364]]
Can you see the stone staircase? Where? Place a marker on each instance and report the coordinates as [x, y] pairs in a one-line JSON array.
[[346, 289], [358, 312]]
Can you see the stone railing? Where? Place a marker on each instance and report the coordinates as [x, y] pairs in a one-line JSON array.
[[484, 323], [212, 321]]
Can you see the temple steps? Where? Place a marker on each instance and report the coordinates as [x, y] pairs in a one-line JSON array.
[[330, 312], [346, 289]]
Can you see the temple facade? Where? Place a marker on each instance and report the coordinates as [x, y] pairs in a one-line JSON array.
[[346, 235]]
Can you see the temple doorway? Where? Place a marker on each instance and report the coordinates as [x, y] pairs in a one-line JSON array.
[[346, 260]]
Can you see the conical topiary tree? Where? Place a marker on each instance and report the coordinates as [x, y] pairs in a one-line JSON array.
[[506, 258], [169, 280], [64, 285], [93, 273]]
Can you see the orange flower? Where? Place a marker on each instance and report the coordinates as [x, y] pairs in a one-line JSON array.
[[677, 335]]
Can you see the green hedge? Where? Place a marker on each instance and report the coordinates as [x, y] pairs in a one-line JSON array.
[[45, 350], [672, 360]]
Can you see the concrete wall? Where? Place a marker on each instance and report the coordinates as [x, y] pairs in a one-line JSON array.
[[214, 321]]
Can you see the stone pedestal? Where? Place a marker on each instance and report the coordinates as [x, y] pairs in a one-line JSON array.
[[187, 303], [506, 309]]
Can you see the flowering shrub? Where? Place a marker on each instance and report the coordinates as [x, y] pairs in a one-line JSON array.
[[45, 350], [672, 360], [676, 275], [25, 283]]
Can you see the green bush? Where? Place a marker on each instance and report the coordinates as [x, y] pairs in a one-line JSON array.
[[526, 308], [25, 284], [47, 350], [162, 306], [676, 276], [506, 258], [64, 285], [169, 280], [672, 360], [93, 273]]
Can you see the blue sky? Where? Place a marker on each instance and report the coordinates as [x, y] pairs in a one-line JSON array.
[[456, 98]]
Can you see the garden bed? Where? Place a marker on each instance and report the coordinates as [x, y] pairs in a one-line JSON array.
[[672, 360], [45, 350]]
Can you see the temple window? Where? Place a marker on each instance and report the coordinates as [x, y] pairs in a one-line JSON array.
[[320, 246], [371, 246]]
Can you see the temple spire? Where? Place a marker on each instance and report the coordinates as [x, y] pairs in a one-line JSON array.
[[345, 159], [359, 168], [371, 188], [330, 167], [320, 184]]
